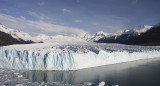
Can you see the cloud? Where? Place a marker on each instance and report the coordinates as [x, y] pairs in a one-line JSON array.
[[77, 21], [42, 3], [38, 16], [21, 23], [66, 10]]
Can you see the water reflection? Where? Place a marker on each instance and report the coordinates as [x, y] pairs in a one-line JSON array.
[[137, 73]]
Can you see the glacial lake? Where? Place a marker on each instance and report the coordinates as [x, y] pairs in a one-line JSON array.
[[136, 73]]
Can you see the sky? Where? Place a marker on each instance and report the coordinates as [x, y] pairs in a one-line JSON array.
[[72, 17]]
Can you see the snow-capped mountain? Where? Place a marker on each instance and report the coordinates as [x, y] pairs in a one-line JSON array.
[[141, 35], [7, 39], [95, 37], [23, 37], [19, 35], [135, 31], [10, 36], [100, 35], [124, 37], [139, 29]]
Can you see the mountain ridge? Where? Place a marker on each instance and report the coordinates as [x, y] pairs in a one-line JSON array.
[[142, 35], [123, 37]]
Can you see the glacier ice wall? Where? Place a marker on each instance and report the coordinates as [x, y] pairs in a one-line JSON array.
[[67, 60]]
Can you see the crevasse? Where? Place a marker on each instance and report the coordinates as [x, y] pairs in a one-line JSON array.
[[29, 60]]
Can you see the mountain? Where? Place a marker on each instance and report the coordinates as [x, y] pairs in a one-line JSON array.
[[23, 37], [95, 37], [10, 36], [139, 29], [141, 35], [7, 39], [151, 37], [20, 37]]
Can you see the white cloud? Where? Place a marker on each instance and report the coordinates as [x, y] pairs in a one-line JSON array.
[[77, 21], [7, 18], [39, 16], [21, 23], [66, 10], [42, 3]]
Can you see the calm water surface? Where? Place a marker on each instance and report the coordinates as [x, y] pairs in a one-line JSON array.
[[137, 73]]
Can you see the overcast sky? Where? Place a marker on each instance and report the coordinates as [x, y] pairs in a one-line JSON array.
[[77, 16]]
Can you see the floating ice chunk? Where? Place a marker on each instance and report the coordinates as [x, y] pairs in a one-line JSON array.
[[94, 84], [19, 76], [19, 85], [16, 73], [87, 83], [42, 84], [101, 83], [116, 85]]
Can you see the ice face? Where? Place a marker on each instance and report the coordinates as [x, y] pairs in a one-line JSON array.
[[30, 60]]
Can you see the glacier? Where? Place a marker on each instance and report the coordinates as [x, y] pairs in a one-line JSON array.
[[31, 60]]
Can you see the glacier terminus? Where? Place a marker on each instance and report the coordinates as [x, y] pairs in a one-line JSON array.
[[71, 56]]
